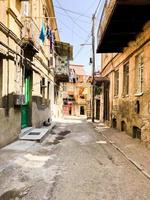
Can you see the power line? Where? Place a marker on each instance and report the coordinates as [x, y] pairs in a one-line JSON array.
[[71, 11], [81, 28], [68, 28], [100, 12], [83, 21], [93, 3], [97, 7], [82, 46]]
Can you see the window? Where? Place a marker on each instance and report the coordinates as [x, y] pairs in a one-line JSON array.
[[25, 8], [1, 80], [42, 90], [126, 79], [139, 73], [116, 87], [48, 91], [51, 61]]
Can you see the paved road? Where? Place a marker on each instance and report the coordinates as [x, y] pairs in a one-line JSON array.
[[78, 166]]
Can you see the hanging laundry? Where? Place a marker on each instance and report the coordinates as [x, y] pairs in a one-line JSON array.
[[43, 32], [51, 38]]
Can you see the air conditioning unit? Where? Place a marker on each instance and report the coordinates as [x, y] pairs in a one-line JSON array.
[[19, 100]]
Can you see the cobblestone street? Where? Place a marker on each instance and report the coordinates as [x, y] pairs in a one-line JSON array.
[[73, 162]]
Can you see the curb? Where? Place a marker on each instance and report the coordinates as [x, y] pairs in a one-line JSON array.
[[139, 167]]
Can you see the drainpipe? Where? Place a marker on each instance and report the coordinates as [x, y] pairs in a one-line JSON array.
[[7, 95]]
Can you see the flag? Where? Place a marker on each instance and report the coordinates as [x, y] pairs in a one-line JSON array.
[[43, 32]]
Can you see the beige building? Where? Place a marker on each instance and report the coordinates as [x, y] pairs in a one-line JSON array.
[[76, 95], [28, 89], [124, 43]]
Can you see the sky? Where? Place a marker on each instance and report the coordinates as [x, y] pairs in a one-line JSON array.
[[75, 28]]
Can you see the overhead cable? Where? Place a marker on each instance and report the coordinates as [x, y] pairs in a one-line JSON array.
[[71, 11], [69, 29], [81, 28], [83, 21], [82, 46]]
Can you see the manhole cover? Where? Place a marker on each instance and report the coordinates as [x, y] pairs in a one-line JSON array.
[[34, 133]]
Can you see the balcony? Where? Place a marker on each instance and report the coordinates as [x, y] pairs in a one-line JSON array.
[[62, 69], [120, 22], [64, 53], [64, 49], [30, 35]]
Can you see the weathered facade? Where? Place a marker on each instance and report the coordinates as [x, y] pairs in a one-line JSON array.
[[26, 66], [77, 92], [124, 41], [63, 55]]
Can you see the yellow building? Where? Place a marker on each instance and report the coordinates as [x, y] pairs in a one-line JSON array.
[[28, 57], [77, 92], [124, 41]]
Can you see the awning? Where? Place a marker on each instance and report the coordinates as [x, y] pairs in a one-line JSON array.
[[99, 80], [120, 23]]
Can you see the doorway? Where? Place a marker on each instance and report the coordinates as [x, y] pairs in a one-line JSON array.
[[97, 109], [136, 132], [82, 111], [106, 101], [70, 110], [25, 109]]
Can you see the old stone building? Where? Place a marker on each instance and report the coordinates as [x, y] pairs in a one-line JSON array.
[[28, 31], [124, 43], [77, 92]]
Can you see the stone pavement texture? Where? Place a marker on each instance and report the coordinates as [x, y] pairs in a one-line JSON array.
[[74, 162], [132, 148]]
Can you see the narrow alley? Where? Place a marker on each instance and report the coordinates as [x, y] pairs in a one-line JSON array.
[[73, 162], [75, 100]]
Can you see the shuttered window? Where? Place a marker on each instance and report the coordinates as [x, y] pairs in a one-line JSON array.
[[126, 79], [116, 86], [139, 66]]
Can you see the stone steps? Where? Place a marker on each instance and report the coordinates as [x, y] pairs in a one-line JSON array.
[[36, 134]]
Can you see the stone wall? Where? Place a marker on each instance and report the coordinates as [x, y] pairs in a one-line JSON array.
[[123, 108]]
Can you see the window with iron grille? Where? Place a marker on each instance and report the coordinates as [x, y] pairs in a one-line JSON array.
[[126, 79], [116, 86], [139, 65]]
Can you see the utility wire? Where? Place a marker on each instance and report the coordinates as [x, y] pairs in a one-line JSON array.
[[83, 21], [69, 29], [89, 36], [71, 11], [97, 7], [93, 3], [101, 10], [81, 28]]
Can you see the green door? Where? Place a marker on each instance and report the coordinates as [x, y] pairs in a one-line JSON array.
[[25, 107]]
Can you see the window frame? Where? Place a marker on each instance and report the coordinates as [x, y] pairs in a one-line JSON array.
[[139, 73], [116, 83], [126, 79]]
